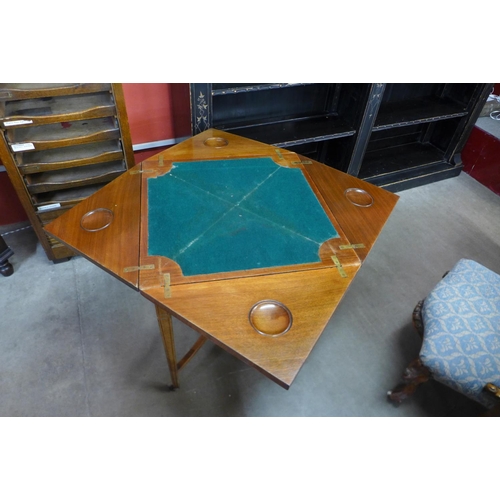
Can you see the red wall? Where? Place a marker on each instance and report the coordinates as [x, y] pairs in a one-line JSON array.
[[11, 210], [481, 154], [481, 159], [157, 111]]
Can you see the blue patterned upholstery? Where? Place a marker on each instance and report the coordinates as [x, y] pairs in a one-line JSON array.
[[461, 318]]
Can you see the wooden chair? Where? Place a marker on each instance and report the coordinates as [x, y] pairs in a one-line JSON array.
[[459, 322]]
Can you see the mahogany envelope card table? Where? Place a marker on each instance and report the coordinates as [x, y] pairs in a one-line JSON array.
[[251, 245]]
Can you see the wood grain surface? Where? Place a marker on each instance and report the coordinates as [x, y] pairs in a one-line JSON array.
[[220, 310], [116, 247], [360, 224]]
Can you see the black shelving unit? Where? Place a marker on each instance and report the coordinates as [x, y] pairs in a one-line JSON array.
[[303, 117], [397, 135]]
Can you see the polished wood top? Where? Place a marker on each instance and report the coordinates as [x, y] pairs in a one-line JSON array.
[[361, 223], [227, 307], [115, 246]]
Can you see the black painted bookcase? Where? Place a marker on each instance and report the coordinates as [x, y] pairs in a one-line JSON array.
[[394, 135]]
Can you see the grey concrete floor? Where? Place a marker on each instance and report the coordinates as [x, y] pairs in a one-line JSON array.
[[76, 342]]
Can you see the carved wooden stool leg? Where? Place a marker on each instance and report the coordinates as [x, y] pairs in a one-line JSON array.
[[167, 333], [417, 319], [414, 375], [494, 392]]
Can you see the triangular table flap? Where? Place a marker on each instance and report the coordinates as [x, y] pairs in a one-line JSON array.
[[221, 311], [361, 208], [105, 227], [216, 144]]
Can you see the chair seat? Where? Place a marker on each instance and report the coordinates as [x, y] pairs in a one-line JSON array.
[[461, 319]]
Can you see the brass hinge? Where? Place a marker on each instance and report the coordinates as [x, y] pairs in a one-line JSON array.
[[301, 162], [138, 268], [167, 293], [147, 171], [354, 245], [338, 265], [280, 156]]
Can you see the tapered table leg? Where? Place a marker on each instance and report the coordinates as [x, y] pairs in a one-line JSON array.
[[167, 333]]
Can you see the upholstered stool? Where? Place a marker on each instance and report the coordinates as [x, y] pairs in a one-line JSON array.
[[460, 325]]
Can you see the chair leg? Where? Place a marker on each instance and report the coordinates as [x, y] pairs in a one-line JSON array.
[[414, 375], [417, 319]]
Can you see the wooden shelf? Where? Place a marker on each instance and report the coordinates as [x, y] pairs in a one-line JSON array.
[[47, 216], [415, 111], [385, 162], [67, 133], [31, 112], [266, 104], [295, 132], [74, 177], [73, 156], [11, 91], [65, 197], [234, 88]]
